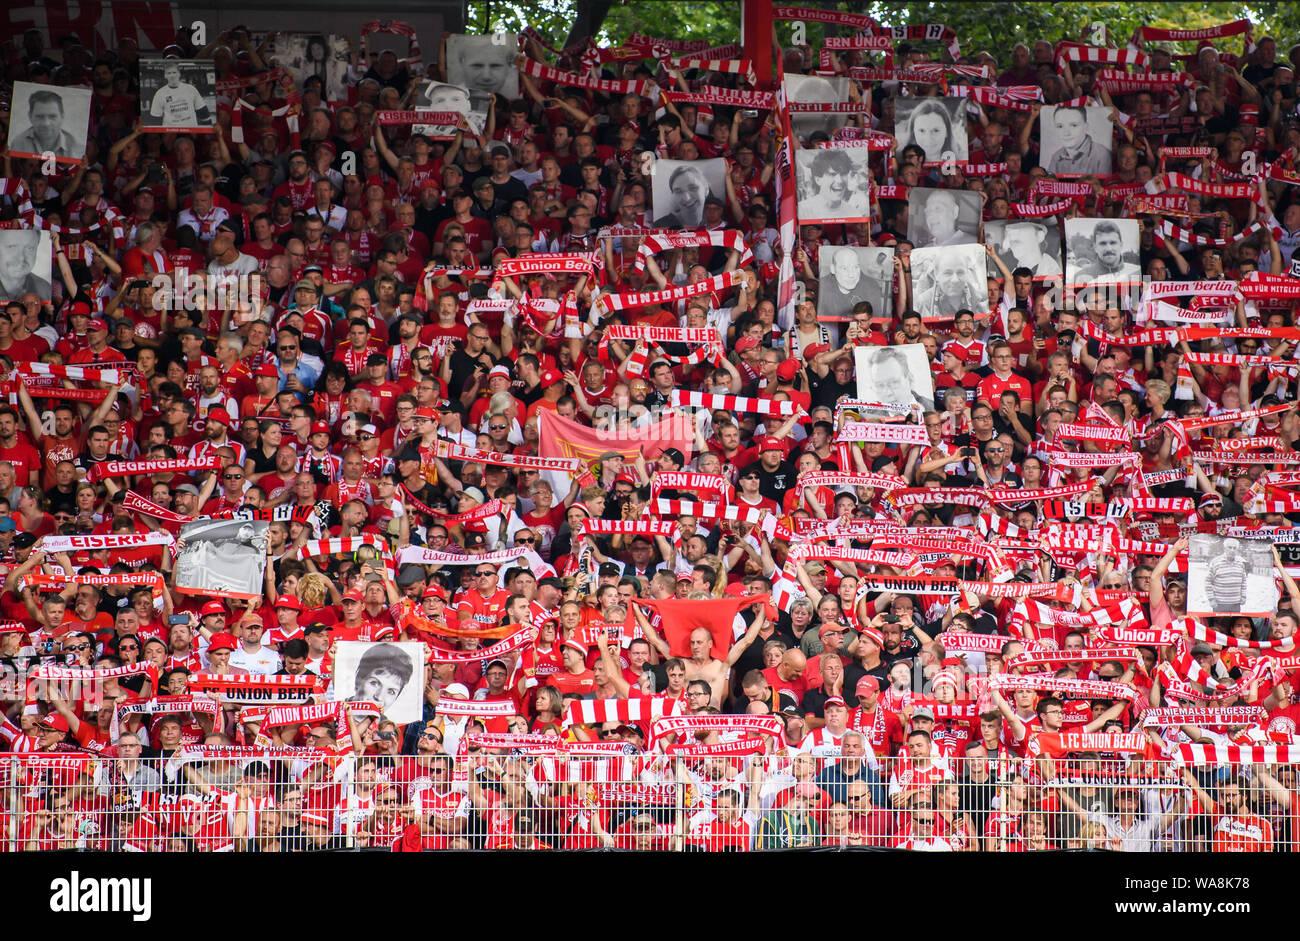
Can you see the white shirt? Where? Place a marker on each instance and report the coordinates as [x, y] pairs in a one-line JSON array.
[[264, 661]]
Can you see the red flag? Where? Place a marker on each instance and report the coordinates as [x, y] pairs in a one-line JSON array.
[[560, 437], [679, 617]]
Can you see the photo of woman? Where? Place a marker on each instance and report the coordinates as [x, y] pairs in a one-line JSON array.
[[936, 125]]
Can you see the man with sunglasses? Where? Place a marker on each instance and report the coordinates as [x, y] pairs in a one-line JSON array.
[[485, 602], [295, 375]]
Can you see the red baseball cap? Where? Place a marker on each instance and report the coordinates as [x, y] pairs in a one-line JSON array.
[[55, 722], [79, 309], [288, 601], [830, 628], [434, 591], [320, 428], [787, 370], [268, 369], [770, 444], [222, 641], [834, 701], [745, 343], [815, 349], [97, 323], [550, 377], [353, 595], [212, 607], [867, 684], [874, 636], [219, 414], [426, 412]]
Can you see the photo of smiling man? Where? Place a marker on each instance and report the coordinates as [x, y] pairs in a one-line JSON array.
[[832, 184]]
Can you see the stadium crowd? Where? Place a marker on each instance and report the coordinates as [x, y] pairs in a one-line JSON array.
[[734, 595]]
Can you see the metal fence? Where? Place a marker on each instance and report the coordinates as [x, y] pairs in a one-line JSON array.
[[312, 801]]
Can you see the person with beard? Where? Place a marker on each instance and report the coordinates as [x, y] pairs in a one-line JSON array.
[[955, 287], [1109, 265], [299, 188], [848, 285]]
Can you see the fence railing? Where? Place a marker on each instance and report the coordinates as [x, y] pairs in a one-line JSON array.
[[315, 801]]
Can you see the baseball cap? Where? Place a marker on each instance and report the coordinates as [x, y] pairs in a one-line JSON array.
[[923, 712], [750, 471], [830, 628], [1210, 498], [222, 641], [97, 323], [55, 722], [212, 607], [184, 488], [867, 684], [7, 523], [426, 412], [833, 701], [473, 493], [499, 370], [745, 343], [353, 595], [550, 377], [304, 285], [787, 370], [409, 575], [320, 428], [288, 601], [770, 444], [1202, 650], [220, 415], [574, 645], [434, 591], [459, 690], [268, 369]]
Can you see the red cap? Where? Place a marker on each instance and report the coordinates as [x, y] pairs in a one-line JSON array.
[[684, 577], [550, 377], [429, 184], [745, 343], [320, 428], [770, 444], [288, 601], [56, 722], [222, 641], [219, 414], [874, 636], [353, 595], [625, 478], [79, 309], [268, 369], [97, 323], [834, 701], [867, 684], [787, 370], [830, 628], [212, 607], [426, 413], [434, 591], [815, 349], [574, 645]]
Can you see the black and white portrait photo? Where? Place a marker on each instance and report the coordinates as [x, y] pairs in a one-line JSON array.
[[821, 90], [1025, 243], [895, 374], [442, 96], [832, 184], [1230, 576], [680, 187], [324, 56], [936, 125], [946, 280], [25, 263], [943, 217], [1076, 140], [391, 675], [485, 65], [222, 557], [49, 119], [850, 274], [1102, 251], [178, 95]]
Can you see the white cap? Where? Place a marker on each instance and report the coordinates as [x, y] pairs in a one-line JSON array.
[[457, 690]]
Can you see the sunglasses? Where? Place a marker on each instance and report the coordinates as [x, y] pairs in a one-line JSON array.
[[520, 541], [232, 476], [485, 574], [78, 647]]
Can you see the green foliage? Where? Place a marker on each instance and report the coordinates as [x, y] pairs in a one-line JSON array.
[[995, 27]]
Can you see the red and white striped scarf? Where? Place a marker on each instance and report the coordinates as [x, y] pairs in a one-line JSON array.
[[134, 503], [641, 87], [710, 345], [1032, 211], [1166, 229], [459, 452], [732, 403], [456, 708], [1072, 688], [290, 112], [414, 58], [317, 548], [1076, 52], [666, 528], [85, 373], [488, 510], [689, 724], [555, 262], [1116, 81], [835, 479], [628, 711], [1208, 754], [1159, 34], [631, 300], [728, 239], [100, 541], [719, 511], [101, 469], [516, 641], [743, 67], [731, 97]]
